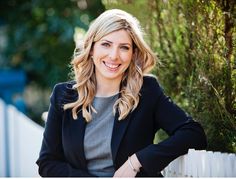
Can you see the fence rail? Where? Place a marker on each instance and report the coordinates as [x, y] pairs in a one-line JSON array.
[[20, 141]]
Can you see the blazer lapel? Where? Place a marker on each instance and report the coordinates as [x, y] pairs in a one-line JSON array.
[[79, 126], [119, 129]]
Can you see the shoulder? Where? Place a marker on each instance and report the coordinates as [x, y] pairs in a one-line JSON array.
[[150, 82], [63, 93], [64, 86], [151, 91]]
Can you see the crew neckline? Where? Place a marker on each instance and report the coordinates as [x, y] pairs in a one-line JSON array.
[[106, 97]]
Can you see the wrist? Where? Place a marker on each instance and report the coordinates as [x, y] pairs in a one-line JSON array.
[[134, 163]]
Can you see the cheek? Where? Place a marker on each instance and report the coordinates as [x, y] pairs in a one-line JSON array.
[[99, 54], [127, 58], [97, 51]]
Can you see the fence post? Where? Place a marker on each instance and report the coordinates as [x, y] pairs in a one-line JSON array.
[[6, 140]]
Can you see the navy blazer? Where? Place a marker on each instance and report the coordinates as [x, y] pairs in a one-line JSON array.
[[62, 152]]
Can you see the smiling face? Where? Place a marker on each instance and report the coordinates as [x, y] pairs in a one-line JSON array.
[[112, 55]]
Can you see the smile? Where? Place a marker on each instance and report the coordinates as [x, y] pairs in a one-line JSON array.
[[111, 66]]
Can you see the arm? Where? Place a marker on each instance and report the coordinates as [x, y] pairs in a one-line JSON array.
[[52, 162], [184, 134]]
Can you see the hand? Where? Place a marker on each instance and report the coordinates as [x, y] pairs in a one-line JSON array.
[[126, 170]]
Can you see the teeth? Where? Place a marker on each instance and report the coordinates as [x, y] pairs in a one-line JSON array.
[[111, 65]]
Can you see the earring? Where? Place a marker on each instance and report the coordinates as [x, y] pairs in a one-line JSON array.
[[91, 57]]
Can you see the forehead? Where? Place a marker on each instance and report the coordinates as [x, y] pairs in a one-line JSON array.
[[120, 36]]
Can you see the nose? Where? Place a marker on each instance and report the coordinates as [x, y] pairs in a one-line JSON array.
[[114, 53]]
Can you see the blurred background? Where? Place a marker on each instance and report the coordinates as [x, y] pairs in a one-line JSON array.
[[195, 41]]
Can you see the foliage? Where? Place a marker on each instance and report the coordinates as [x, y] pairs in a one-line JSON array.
[[40, 35], [40, 41], [195, 41]]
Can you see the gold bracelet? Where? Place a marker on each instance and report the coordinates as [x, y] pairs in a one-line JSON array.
[[131, 165]]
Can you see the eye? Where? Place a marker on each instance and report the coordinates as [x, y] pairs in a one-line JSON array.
[[105, 44], [124, 47]]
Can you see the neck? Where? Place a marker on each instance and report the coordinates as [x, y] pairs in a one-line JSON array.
[[107, 88]]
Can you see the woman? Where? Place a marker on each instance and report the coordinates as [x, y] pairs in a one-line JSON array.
[[103, 123]]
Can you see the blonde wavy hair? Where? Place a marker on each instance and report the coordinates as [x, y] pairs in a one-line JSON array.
[[83, 67]]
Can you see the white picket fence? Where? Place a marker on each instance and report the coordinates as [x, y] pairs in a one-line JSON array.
[[202, 163], [20, 142]]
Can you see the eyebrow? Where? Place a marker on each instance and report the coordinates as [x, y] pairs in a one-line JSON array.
[[120, 43]]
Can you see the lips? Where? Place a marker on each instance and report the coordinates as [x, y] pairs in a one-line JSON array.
[[111, 65]]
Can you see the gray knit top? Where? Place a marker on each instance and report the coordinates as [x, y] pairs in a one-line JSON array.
[[97, 139]]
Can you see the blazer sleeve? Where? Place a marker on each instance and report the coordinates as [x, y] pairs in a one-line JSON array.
[[51, 161], [184, 133]]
